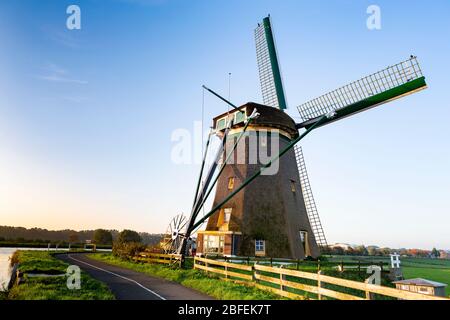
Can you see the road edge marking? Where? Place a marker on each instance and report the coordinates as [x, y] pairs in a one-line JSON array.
[[118, 275]]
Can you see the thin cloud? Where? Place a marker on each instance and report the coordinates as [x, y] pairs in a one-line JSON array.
[[55, 73], [61, 36], [144, 2]]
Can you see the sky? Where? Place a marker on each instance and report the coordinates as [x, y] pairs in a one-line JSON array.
[[87, 116]]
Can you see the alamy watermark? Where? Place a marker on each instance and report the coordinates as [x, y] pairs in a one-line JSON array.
[[73, 275], [374, 20], [252, 148], [73, 22], [375, 277]]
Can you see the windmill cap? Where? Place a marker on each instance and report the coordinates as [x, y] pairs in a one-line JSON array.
[[269, 117]]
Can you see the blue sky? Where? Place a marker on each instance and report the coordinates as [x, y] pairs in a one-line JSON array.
[[86, 116]]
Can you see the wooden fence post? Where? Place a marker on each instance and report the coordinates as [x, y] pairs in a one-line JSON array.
[[226, 271], [271, 261], [281, 279], [319, 285], [369, 295], [318, 265], [298, 264]]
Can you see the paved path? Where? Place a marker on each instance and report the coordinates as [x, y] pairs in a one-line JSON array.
[[126, 284]]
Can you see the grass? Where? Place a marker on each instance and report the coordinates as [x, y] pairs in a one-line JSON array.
[[51, 288], [210, 285], [431, 269]]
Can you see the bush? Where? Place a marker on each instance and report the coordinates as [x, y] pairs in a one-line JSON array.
[[127, 250]]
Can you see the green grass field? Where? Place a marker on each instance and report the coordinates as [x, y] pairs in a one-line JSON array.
[[431, 269], [51, 288]]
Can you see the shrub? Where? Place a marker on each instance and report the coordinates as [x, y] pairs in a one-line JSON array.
[[127, 250]]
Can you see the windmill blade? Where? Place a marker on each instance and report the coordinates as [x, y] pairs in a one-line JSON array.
[[381, 87], [310, 203], [269, 69]]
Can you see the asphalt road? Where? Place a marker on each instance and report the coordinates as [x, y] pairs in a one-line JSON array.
[[126, 284]]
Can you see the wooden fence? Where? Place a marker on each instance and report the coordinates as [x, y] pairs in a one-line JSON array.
[[174, 259], [227, 269], [298, 284], [356, 265]]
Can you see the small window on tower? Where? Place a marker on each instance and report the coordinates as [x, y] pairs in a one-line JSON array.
[[227, 215], [221, 124], [231, 183], [304, 241], [260, 247], [293, 186], [239, 117]]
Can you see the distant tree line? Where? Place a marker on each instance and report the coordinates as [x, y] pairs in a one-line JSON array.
[[376, 251], [99, 236]]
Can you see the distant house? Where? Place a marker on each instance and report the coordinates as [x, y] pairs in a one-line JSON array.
[[444, 254], [423, 286]]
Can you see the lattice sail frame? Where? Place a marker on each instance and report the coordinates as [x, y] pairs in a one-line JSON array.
[[269, 69], [308, 197], [379, 82]]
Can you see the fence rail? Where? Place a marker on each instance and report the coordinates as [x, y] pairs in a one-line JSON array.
[[225, 268], [158, 258], [284, 282], [358, 265]]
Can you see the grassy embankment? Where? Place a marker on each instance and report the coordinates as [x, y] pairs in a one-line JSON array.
[[51, 288], [210, 285]]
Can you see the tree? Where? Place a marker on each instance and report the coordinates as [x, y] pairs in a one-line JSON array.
[[435, 253], [361, 250], [102, 236], [129, 236], [372, 251], [73, 238]]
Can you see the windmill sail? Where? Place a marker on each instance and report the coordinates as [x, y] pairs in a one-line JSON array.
[[269, 69], [274, 96], [381, 87], [311, 209]]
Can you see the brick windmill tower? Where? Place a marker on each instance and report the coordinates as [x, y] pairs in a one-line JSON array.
[[263, 206]]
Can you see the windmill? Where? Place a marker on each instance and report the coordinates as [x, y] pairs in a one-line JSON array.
[[276, 215], [174, 234]]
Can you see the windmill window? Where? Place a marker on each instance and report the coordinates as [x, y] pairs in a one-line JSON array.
[[213, 244], [293, 188], [227, 215], [221, 123], [231, 183], [304, 242], [260, 247], [239, 117]]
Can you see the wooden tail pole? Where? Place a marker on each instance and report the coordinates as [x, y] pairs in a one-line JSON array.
[[220, 97]]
